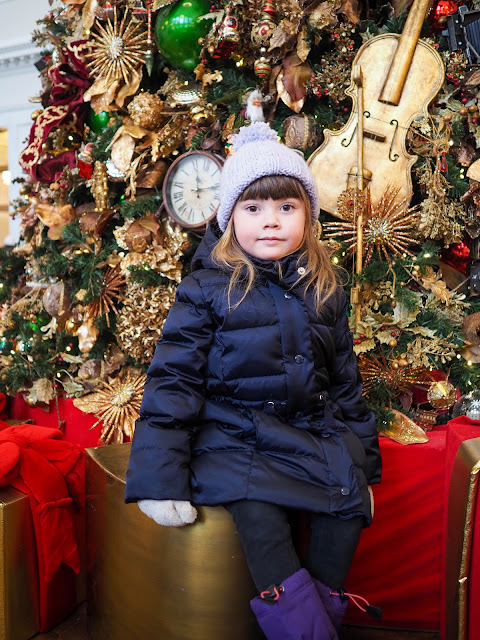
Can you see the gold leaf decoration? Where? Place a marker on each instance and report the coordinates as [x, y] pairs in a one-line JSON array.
[[404, 430]]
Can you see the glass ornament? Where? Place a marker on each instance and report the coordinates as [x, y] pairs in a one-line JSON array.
[[468, 405]]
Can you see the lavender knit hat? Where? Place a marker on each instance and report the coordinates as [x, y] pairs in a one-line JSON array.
[[257, 153]]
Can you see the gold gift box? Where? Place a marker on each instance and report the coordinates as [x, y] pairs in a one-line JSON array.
[[19, 604], [462, 505], [147, 581]]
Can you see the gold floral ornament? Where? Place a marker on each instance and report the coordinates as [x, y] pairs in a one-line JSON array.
[[389, 227], [149, 145], [116, 404], [141, 319], [117, 54], [113, 282], [162, 252], [439, 218]]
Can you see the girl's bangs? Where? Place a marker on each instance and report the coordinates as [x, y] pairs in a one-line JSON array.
[[276, 187]]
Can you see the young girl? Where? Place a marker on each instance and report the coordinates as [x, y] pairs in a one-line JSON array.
[[254, 401]]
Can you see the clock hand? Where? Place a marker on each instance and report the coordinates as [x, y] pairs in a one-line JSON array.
[[198, 185], [207, 188]]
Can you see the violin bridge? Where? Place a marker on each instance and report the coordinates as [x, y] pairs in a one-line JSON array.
[[373, 135]]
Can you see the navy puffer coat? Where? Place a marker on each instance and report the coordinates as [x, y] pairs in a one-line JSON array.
[[262, 402]]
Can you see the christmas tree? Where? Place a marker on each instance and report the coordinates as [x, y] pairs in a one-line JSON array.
[[130, 87]]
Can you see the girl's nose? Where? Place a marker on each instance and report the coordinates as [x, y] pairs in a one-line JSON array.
[[271, 218]]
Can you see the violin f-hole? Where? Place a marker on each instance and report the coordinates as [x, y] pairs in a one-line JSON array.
[[344, 142], [395, 157]]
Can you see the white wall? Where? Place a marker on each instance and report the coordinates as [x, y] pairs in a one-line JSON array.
[[19, 80]]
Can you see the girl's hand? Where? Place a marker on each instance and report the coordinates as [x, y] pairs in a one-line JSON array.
[[372, 502], [169, 513]]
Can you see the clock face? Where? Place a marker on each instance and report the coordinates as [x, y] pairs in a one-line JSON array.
[[191, 188]]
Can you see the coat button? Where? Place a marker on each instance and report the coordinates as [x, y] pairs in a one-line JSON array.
[[344, 491], [299, 359], [321, 397], [288, 295], [301, 271]]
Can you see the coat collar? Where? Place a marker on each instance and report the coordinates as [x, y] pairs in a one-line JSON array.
[[288, 266]]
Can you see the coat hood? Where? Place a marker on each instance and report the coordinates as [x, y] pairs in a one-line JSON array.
[[202, 258]]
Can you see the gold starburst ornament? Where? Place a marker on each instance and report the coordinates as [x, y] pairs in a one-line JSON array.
[[377, 371], [116, 404], [118, 50], [389, 227]]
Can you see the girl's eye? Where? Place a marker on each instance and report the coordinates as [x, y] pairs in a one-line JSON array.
[[252, 208], [287, 207]]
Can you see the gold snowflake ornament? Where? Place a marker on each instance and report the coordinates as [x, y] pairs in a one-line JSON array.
[[116, 404], [389, 227], [118, 49]]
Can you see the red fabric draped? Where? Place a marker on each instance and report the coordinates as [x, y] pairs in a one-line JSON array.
[[51, 472]]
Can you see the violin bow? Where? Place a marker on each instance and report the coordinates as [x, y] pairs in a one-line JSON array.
[[355, 291]]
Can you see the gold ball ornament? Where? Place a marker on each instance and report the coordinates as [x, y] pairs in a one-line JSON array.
[[392, 343], [300, 132], [441, 394], [56, 300], [146, 110], [471, 328]]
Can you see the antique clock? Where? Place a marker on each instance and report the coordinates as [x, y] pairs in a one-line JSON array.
[[191, 188]]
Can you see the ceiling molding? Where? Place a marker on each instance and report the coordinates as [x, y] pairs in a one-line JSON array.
[[15, 56]]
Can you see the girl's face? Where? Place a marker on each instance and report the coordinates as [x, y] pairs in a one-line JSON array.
[[269, 229]]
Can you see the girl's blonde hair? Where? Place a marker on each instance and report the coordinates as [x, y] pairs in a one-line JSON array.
[[320, 274]]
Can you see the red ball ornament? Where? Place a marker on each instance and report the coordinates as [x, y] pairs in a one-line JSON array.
[[457, 256], [443, 9]]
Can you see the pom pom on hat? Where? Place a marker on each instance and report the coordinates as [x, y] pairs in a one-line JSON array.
[[257, 153], [257, 132]]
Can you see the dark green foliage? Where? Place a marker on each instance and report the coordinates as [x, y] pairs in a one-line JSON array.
[[12, 268], [147, 277], [140, 207], [103, 139], [458, 184]]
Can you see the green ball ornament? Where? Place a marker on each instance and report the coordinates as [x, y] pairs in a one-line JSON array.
[[177, 30], [97, 121]]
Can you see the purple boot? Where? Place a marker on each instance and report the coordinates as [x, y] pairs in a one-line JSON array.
[[335, 605], [293, 611]]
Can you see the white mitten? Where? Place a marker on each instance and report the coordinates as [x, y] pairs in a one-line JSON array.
[[169, 513], [372, 501]]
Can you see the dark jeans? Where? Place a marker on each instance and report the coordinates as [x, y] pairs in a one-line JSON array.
[[266, 537]]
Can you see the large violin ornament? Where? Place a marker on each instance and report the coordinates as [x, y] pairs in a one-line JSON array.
[[401, 76]]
